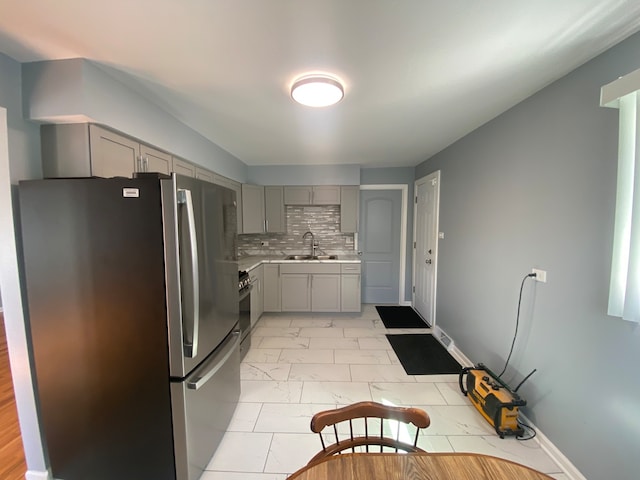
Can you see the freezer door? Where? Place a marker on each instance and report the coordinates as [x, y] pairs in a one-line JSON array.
[[202, 406], [202, 268]]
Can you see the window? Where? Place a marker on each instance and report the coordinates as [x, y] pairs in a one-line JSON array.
[[624, 290]]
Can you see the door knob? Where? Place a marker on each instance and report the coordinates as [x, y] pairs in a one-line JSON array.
[[428, 261]]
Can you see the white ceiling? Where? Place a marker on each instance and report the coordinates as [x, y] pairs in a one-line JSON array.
[[418, 74]]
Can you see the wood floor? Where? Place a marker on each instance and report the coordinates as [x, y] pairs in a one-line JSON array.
[[12, 464]]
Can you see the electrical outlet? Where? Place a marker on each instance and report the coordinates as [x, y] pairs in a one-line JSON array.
[[264, 244], [541, 275]]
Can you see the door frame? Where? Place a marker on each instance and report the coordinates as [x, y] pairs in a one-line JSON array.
[[403, 233], [435, 254]]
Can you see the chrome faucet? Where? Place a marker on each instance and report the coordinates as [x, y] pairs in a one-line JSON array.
[[314, 243]]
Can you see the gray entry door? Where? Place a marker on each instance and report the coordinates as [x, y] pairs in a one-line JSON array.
[[380, 224]]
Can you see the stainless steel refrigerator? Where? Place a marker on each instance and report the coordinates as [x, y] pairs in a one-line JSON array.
[[131, 286]]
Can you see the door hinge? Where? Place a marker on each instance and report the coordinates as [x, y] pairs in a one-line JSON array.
[[416, 199], [414, 244], [414, 289]]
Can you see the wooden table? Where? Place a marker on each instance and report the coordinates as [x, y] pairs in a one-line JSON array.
[[416, 466]]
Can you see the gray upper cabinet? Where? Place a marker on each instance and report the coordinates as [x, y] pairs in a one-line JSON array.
[[312, 195], [153, 160], [236, 187], [253, 220], [84, 150], [204, 174], [182, 167], [274, 209], [262, 209], [349, 203]]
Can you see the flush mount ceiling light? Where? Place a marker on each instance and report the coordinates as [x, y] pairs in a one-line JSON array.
[[317, 90]]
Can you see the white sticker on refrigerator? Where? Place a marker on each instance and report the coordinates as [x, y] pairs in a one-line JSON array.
[[130, 192]]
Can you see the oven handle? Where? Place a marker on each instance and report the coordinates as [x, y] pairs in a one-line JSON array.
[[215, 363]]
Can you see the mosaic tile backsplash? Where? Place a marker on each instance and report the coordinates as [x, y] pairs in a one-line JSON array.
[[323, 221]]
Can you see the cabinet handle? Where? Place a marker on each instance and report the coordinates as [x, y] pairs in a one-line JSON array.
[[266, 225], [146, 164], [138, 163]]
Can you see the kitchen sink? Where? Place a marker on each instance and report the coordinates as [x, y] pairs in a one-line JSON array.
[[311, 257]]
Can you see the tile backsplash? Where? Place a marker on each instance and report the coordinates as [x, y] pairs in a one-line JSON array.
[[323, 221]]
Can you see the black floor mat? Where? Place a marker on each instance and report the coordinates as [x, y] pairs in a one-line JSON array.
[[400, 317], [421, 354]]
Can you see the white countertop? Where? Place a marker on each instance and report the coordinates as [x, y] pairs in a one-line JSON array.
[[252, 261]]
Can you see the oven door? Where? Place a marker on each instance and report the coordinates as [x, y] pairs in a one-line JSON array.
[[244, 321]]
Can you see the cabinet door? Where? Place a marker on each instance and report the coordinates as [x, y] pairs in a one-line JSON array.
[[252, 209], [297, 195], [236, 187], [257, 299], [296, 292], [182, 167], [350, 293], [271, 288], [274, 209], [204, 174], [325, 293], [155, 160], [326, 195], [349, 201], [113, 155]]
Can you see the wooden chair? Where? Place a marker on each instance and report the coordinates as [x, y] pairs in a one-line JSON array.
[[367, 411]]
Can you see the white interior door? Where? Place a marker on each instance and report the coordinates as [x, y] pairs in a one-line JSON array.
[[426, 245]]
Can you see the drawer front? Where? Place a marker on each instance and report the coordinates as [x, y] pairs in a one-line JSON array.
[[309, 268], [350, 268]]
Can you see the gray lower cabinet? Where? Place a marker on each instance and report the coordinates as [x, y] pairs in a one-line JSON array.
[[257, 295], [310, 287], [350, 300], [271, 288], [296, 292], [84, 150]]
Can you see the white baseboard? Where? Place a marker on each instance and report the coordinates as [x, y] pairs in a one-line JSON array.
[[406, 303], [557, 456], [36, 475]]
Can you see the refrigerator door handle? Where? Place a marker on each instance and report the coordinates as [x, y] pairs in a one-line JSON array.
[[215, 363], [191, 324]]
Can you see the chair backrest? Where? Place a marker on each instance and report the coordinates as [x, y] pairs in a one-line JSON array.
[[375, 436]]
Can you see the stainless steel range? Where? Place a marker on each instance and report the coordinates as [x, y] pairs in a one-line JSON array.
[[244, 323]]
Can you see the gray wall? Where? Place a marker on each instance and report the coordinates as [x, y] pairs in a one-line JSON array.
[[397, 176], [535, 187], [304, 174], [79, 90]]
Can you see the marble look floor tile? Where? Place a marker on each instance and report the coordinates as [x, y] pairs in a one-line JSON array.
[[306, 356], [407, 394], [320, 372], [262, 355], [241, 452], [333, 343], [244, 418], [255, 391], [363, 333], [287, 417], [379, 373], [273, 321], [275, 332], [452, 394], [264, 371], [344, 393], [353, 323], [435, 443], [362, 357], [527, 453], [456, 420], [320, 332], [291, 451], [281, 342], [374, 343], [312, 322]]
